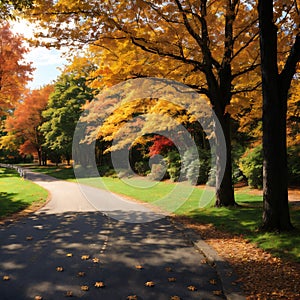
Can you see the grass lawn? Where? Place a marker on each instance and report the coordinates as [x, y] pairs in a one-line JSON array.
[[16, 193], [243, 220]]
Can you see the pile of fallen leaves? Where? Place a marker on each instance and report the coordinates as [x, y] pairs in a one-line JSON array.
[[262, 275]]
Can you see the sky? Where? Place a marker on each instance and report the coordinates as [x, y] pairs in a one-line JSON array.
[[47, 62]]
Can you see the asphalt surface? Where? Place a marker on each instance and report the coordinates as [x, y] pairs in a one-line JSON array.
[[69, 246]]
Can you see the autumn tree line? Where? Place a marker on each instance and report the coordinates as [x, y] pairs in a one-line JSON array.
[[242, 56]]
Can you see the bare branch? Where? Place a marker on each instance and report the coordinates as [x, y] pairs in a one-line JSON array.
[[247, 89]]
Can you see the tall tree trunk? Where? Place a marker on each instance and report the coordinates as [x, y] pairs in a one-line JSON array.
[[275, 191], [224, 184]]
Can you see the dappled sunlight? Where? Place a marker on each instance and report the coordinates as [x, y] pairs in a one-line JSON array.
[[88, 254]]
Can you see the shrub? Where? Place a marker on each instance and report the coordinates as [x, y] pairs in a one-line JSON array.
[[294, 165], [173, 162], [158, 171], [196, 165], [141, 167], [251, 164]]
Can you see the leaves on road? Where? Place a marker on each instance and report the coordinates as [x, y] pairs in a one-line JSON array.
[[84, 288], [217, 293], [69, 294], [149, 284], [171, 279], [139, 267], [132, 297], [38, 297], [81, 274], [85, 257], [99, 284], [192, 288], [6, 278], [59, 269]]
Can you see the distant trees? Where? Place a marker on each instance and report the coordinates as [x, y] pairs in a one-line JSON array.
[[22, 127], [62, 113]]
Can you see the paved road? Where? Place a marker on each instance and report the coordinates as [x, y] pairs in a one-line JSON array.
[[45, 253]]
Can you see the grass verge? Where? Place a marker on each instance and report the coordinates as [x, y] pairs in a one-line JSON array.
[[17, 194], [243, 221]]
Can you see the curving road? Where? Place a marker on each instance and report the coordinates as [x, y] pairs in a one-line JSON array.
[[68, 246]]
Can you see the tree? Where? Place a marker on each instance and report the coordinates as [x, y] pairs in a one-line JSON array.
[[202, 43], [14, 72], [275, 86], [211, 46], [63, 111], [22, 126]]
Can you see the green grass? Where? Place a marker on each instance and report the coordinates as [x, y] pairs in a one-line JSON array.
[[16, 193], [244, 220], [57, 172]]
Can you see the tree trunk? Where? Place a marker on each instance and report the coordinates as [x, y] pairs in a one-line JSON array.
[[275, 192], [224, 184], [39, 153]]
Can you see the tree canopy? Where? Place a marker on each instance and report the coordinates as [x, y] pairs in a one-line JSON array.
[[62, 113], [14, 72], [22, 127]]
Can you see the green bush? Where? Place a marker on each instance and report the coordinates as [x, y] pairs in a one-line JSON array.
[[294, 165], [196, 165], [251, 164], [173, 162], [141, 167]]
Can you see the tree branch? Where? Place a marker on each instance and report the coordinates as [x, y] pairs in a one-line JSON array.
[[289, 69]]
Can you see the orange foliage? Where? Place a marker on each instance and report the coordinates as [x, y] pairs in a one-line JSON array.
[[26, 119], [14, 73]]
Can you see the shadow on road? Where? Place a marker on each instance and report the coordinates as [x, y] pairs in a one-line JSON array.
[[122, 255]]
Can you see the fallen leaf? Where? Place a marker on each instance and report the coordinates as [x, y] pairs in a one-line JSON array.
[[69, 255], [168, 269], [139, 267], [171, 279], [99, 284], [81, 274], [175, 298], [132, 297], [69, 294], [96, 260], [38, 298], [29, 238], [84, 288], [85, 257], [213, 281], [149, 284], [217, 293], [203, 261], [192, 288], [5, 277], [59, 269]]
